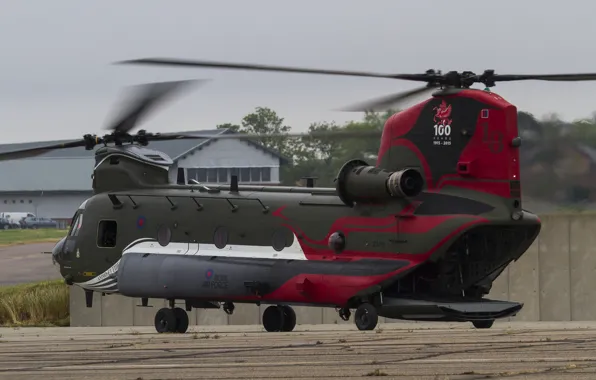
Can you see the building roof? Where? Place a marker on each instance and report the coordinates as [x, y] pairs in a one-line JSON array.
[[72, 166]]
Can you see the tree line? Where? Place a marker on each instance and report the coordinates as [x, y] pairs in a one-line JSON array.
[[556, 155]]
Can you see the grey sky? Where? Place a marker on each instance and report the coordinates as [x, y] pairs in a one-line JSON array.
[[57, 80]]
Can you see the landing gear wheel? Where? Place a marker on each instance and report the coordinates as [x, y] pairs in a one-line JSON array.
[[165, 320], [181, 320], [274, 319], [289, 318], [228, 307], [486, 324], [366, 317], [344, 314]]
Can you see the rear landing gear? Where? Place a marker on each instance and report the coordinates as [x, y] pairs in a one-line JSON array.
[[366, 317], [279, 318], [486, 324], [171, 320]]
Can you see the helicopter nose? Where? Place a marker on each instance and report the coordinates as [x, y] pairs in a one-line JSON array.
[[58, 250]]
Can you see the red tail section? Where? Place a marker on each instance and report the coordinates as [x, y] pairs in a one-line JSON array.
[[466, 139]]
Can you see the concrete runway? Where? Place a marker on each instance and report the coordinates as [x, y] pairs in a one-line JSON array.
[[511, 350], [26, 263]]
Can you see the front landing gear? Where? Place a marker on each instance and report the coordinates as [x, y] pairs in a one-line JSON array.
[[173, 320], [366, 317], [279, 318]]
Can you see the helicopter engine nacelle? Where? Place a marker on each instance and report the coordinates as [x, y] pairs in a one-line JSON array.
[[359, 182]]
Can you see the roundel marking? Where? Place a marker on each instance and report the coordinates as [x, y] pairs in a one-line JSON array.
[[141, 221]]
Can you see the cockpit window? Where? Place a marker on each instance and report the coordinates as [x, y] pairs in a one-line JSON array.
[[77, 223], [82, 206]]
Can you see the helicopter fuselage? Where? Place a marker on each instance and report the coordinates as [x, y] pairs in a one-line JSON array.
[[293, 245], [421, 235]]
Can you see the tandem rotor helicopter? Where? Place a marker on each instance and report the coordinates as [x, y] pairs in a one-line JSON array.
[[420, 235]]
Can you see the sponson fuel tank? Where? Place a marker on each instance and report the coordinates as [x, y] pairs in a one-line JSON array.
[[181, 276], [208, 277]]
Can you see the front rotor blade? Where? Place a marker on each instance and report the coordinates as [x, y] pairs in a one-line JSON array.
[[546, 77], [258, 67], [32, 152], [246, 136], [385, 103], [147, 98]]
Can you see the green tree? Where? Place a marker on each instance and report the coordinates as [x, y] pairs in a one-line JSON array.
[[263, 121], [233, 127], [324, 156]]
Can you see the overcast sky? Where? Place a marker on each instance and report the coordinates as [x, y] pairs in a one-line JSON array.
[[57, 80]]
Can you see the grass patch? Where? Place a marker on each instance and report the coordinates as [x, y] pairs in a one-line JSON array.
[[39, 304], [18, 236]]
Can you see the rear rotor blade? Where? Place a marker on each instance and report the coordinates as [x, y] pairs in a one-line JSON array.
[[258, 67], [546, 77], [148, 97], [386, 102]]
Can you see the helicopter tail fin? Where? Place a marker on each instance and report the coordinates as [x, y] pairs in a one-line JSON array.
[[465, 139]]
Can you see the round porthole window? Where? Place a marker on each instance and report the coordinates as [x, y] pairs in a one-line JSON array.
[[220, 237], [278, 240], [281, 239], [164, 235]]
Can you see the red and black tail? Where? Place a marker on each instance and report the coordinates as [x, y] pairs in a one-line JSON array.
[[468, 139]]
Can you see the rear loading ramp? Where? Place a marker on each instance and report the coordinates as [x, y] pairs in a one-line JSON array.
[[455, 310]]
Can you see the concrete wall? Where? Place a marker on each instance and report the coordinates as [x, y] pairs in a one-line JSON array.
[[555, 279]]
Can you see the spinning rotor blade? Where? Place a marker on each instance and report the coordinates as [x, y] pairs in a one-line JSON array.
[[433, 78], [32, 152], [147, 98], [246, 136], [386, 102], [257, 67], [89, 140], [547, 77]]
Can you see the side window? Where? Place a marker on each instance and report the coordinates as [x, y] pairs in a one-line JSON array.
[[106, 233]]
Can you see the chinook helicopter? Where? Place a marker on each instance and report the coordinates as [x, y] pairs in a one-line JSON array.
[[420, 235]]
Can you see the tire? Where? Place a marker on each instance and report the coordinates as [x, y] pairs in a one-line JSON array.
[[289, 318], [165, 321], [366, 317], [273, 319], [181, 320]]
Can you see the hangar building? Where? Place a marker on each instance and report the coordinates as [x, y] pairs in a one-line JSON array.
[[54, 184]]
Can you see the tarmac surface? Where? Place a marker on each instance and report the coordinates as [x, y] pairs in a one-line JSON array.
[[26, 263], [512, 350]]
